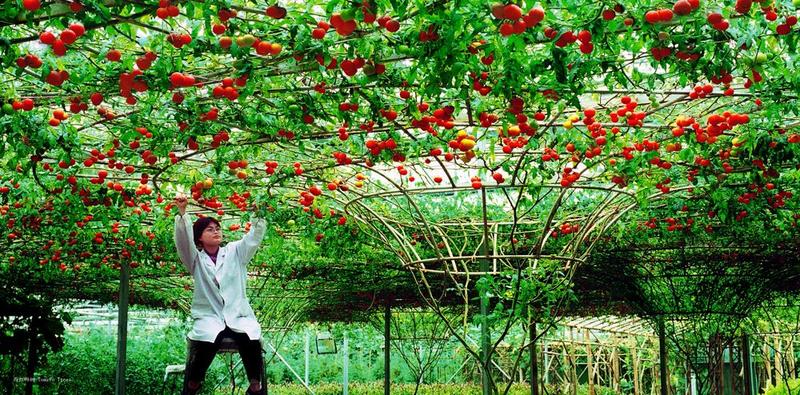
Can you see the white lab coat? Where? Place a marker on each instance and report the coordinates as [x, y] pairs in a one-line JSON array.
[[214, 307]]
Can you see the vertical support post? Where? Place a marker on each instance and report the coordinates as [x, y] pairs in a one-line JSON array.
[[688, 378], [747, 365], [712, 360], [603, 363], [122, 326], [33, 354], [387, 371], [654, 372], [345, 365], [11, 375], [732, 367], [573, 361], [307, 354], [546, 362], [534, 362], [721, 365], [565, 376], [767, 364], [615, 363], [791, 360], [779, 375], [636, 384], [421, 364], [589, 361], [662, 355], [486, 360]]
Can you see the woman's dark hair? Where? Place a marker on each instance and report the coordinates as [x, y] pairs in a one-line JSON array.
[[200, 225]]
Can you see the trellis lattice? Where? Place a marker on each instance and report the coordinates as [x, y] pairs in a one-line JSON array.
[[454, 245]]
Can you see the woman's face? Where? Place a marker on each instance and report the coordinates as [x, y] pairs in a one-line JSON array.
[[212, 236]]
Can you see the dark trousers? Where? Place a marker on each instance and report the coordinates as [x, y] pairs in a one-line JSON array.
[[201, 354]]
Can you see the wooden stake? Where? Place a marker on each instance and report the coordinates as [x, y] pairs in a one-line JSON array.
[[573, 364], [546, 362], [791, 359], [565, 372], [767, 364], [636, 384], [534, 362], [654, 374], [720, 365], [387, 359], [778, 358], [662, 355], [615, 365], [731, 367], [589, 361]]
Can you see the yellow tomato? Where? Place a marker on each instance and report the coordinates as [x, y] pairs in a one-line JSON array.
[[467, 144]]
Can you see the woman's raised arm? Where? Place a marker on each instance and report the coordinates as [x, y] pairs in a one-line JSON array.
[[184, 239]]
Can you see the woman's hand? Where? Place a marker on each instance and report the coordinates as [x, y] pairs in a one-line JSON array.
[[181, 201]]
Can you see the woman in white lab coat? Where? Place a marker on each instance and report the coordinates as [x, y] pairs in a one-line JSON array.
[[220, 307]]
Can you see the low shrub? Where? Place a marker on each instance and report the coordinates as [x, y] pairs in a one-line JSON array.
[[784, 388]]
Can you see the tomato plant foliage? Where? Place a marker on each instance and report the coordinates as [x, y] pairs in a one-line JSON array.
[[310, 108]]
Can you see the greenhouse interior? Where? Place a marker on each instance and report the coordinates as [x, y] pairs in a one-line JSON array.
[[553, 197]]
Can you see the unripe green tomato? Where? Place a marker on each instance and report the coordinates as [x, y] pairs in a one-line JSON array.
[[654, 101]]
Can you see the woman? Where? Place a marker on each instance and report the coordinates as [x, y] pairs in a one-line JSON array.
[[220, 307]]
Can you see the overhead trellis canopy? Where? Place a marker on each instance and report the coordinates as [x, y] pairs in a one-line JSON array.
[[387, 124], [613, 324]]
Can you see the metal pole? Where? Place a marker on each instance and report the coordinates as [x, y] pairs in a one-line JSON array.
[[485, 304], [10, 380], [345, 365], [122, 326], [387, 371], [288, 366], [662, 355], [33, 342], [534, 362], [545, 350], [305, 376], [747, 365]]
